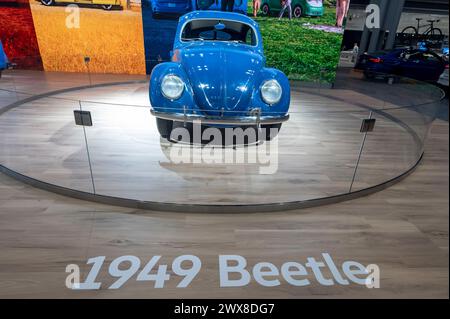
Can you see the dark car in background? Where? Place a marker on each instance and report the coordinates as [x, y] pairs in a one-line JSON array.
[[419, 64]]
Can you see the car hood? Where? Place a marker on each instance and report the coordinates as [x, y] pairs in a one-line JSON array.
[[222, 75]]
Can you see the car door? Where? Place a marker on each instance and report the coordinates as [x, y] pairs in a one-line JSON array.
[[433, 66], [275, 5], [422, 66]]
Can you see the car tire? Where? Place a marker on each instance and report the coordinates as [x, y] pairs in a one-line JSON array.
[[164, 127], [297, 12], [265, 9], [393, 79], [48, 3], [107, 7], [369, 75], [269, 131]]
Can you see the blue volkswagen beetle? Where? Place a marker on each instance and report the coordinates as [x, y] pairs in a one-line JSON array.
[[217, 75]]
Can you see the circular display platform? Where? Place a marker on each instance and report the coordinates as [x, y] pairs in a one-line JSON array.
[[322, 154]]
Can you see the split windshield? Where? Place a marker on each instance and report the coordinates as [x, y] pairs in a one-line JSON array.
[[218, 30]]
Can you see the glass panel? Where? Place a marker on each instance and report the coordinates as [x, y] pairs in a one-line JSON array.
[[395, 145], [39, 139]]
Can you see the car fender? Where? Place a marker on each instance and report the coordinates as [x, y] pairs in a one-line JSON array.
[[158, 101], [282, 106]]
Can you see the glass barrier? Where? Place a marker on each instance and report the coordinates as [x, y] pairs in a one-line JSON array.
[[355, 134], [395, 145], [40, 140]]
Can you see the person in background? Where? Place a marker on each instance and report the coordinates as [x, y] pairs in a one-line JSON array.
[[355, 52], [341, 11], [256, 6], [286, 4], [227, 5]]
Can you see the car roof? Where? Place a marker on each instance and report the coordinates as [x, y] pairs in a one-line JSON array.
[[218, 15]]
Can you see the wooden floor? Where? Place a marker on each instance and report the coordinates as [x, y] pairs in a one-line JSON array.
[[403, 229]]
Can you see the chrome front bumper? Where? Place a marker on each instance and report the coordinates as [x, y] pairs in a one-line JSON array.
[[238, 120]]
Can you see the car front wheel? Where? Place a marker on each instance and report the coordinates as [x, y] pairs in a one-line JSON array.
[[298, 11], [270, 131], [48, 2], [265, 9], [164, 127], [369, 75], [107, 7]]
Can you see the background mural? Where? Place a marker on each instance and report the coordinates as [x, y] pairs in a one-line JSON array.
[[121, 36], [305, 48], [109, 32], [18, 35]]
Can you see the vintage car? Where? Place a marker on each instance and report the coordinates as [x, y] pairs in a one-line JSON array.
[[170, 6], [105, 4], [4, 64], [217, 75], [313, 8], [238, 6]]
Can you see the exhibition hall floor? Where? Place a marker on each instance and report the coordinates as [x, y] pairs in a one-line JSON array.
[[403, 229]]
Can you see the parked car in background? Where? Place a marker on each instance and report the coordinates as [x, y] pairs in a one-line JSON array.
[[300, 8], [105, 4], [239, 5], [419, 64], [170, 6], [217, 75], [4, 62]]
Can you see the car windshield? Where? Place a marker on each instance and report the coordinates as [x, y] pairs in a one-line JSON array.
[[219, 30]]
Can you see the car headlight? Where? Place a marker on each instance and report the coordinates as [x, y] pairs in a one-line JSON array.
[[172, 87], [271, 92]]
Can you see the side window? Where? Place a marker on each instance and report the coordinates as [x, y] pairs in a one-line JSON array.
[[413, 56], [250, 37]]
